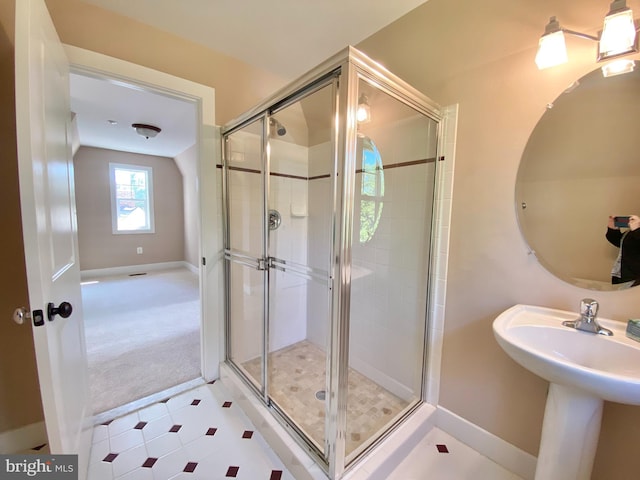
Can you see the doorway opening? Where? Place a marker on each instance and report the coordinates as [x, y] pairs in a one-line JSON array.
[[140, 290]]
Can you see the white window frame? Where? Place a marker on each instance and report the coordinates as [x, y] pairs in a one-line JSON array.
[[114, 203]]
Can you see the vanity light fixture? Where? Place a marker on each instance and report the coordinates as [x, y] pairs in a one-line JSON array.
[[618, 37], [147, 131], [363, 114], [618, 33]]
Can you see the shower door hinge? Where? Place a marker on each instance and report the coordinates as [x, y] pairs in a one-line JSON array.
[[263, 264]]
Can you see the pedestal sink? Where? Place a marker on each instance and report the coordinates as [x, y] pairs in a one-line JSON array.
[[584, 369]]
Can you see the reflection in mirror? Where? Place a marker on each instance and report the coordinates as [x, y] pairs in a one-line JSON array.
[[371, 187], [580, 166]]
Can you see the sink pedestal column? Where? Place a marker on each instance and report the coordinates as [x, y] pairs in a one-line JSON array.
[[570, 432]]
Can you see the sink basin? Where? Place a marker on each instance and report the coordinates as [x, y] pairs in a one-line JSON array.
[[606, 367], [583, 369]]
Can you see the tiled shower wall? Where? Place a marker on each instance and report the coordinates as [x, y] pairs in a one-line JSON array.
[[389, 305], [389, 280], [288, 195]]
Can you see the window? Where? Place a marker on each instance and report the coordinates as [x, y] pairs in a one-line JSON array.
[[371, 189], [131, 198]]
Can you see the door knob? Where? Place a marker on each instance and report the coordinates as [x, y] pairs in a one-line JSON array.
[[64, 310]]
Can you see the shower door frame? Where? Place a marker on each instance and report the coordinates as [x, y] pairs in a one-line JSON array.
[[266, 263], [347, 68]]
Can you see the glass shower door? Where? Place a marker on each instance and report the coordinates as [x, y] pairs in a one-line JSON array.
[[301, 165], [245, 252], [394, 191]]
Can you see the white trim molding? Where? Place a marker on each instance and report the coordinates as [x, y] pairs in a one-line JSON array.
[[133, 269], [438, 275], [486, 443]]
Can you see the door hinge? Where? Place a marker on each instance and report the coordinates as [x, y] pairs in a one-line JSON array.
[[204, 261]]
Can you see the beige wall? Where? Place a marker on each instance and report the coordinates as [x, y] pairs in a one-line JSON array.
[[480, 55], [238, 86], [99, 246], [188, 165], [19, 389]]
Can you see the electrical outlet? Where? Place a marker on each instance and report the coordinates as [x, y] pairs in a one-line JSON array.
[[139, 250]]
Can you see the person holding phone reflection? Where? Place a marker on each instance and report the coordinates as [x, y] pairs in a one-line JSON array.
[[626, 268]]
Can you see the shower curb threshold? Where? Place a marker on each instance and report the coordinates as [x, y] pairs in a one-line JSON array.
[[301, 465]]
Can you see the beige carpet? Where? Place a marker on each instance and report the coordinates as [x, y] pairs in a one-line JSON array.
[[142, 334]]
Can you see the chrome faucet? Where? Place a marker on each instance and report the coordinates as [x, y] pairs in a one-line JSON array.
[[587, 321]]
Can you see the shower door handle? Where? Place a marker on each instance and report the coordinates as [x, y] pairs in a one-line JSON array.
[[244, 259]]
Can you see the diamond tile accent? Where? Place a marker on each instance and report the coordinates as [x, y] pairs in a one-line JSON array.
[[442, 448], [178, 442], [212, 382], [107, 423], [110, 458], [39, 447], [149, 462]]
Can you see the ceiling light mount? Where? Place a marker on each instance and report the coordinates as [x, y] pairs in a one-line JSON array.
[[147, 131], [618, 37]]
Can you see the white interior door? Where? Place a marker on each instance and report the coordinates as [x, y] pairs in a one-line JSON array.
[[43, 121]]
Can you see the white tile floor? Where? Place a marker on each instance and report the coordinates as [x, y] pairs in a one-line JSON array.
[[199, 434], [203, 434], [459, 462]]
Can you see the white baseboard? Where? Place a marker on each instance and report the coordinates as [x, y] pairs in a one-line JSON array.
[[191, 267], [23, 438], [485, 443], [129, 269]]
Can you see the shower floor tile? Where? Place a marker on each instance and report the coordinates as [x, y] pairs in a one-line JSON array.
[[298, 374]]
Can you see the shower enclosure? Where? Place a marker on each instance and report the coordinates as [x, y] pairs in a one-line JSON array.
[[328, 203]]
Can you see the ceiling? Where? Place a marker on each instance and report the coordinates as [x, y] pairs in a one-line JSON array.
[[106, 110], [287, 37], [256, 32]]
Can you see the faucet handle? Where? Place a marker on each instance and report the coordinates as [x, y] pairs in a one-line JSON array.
[[589, 307]]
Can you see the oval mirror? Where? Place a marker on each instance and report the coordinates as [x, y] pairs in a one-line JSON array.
[[581, 165]]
